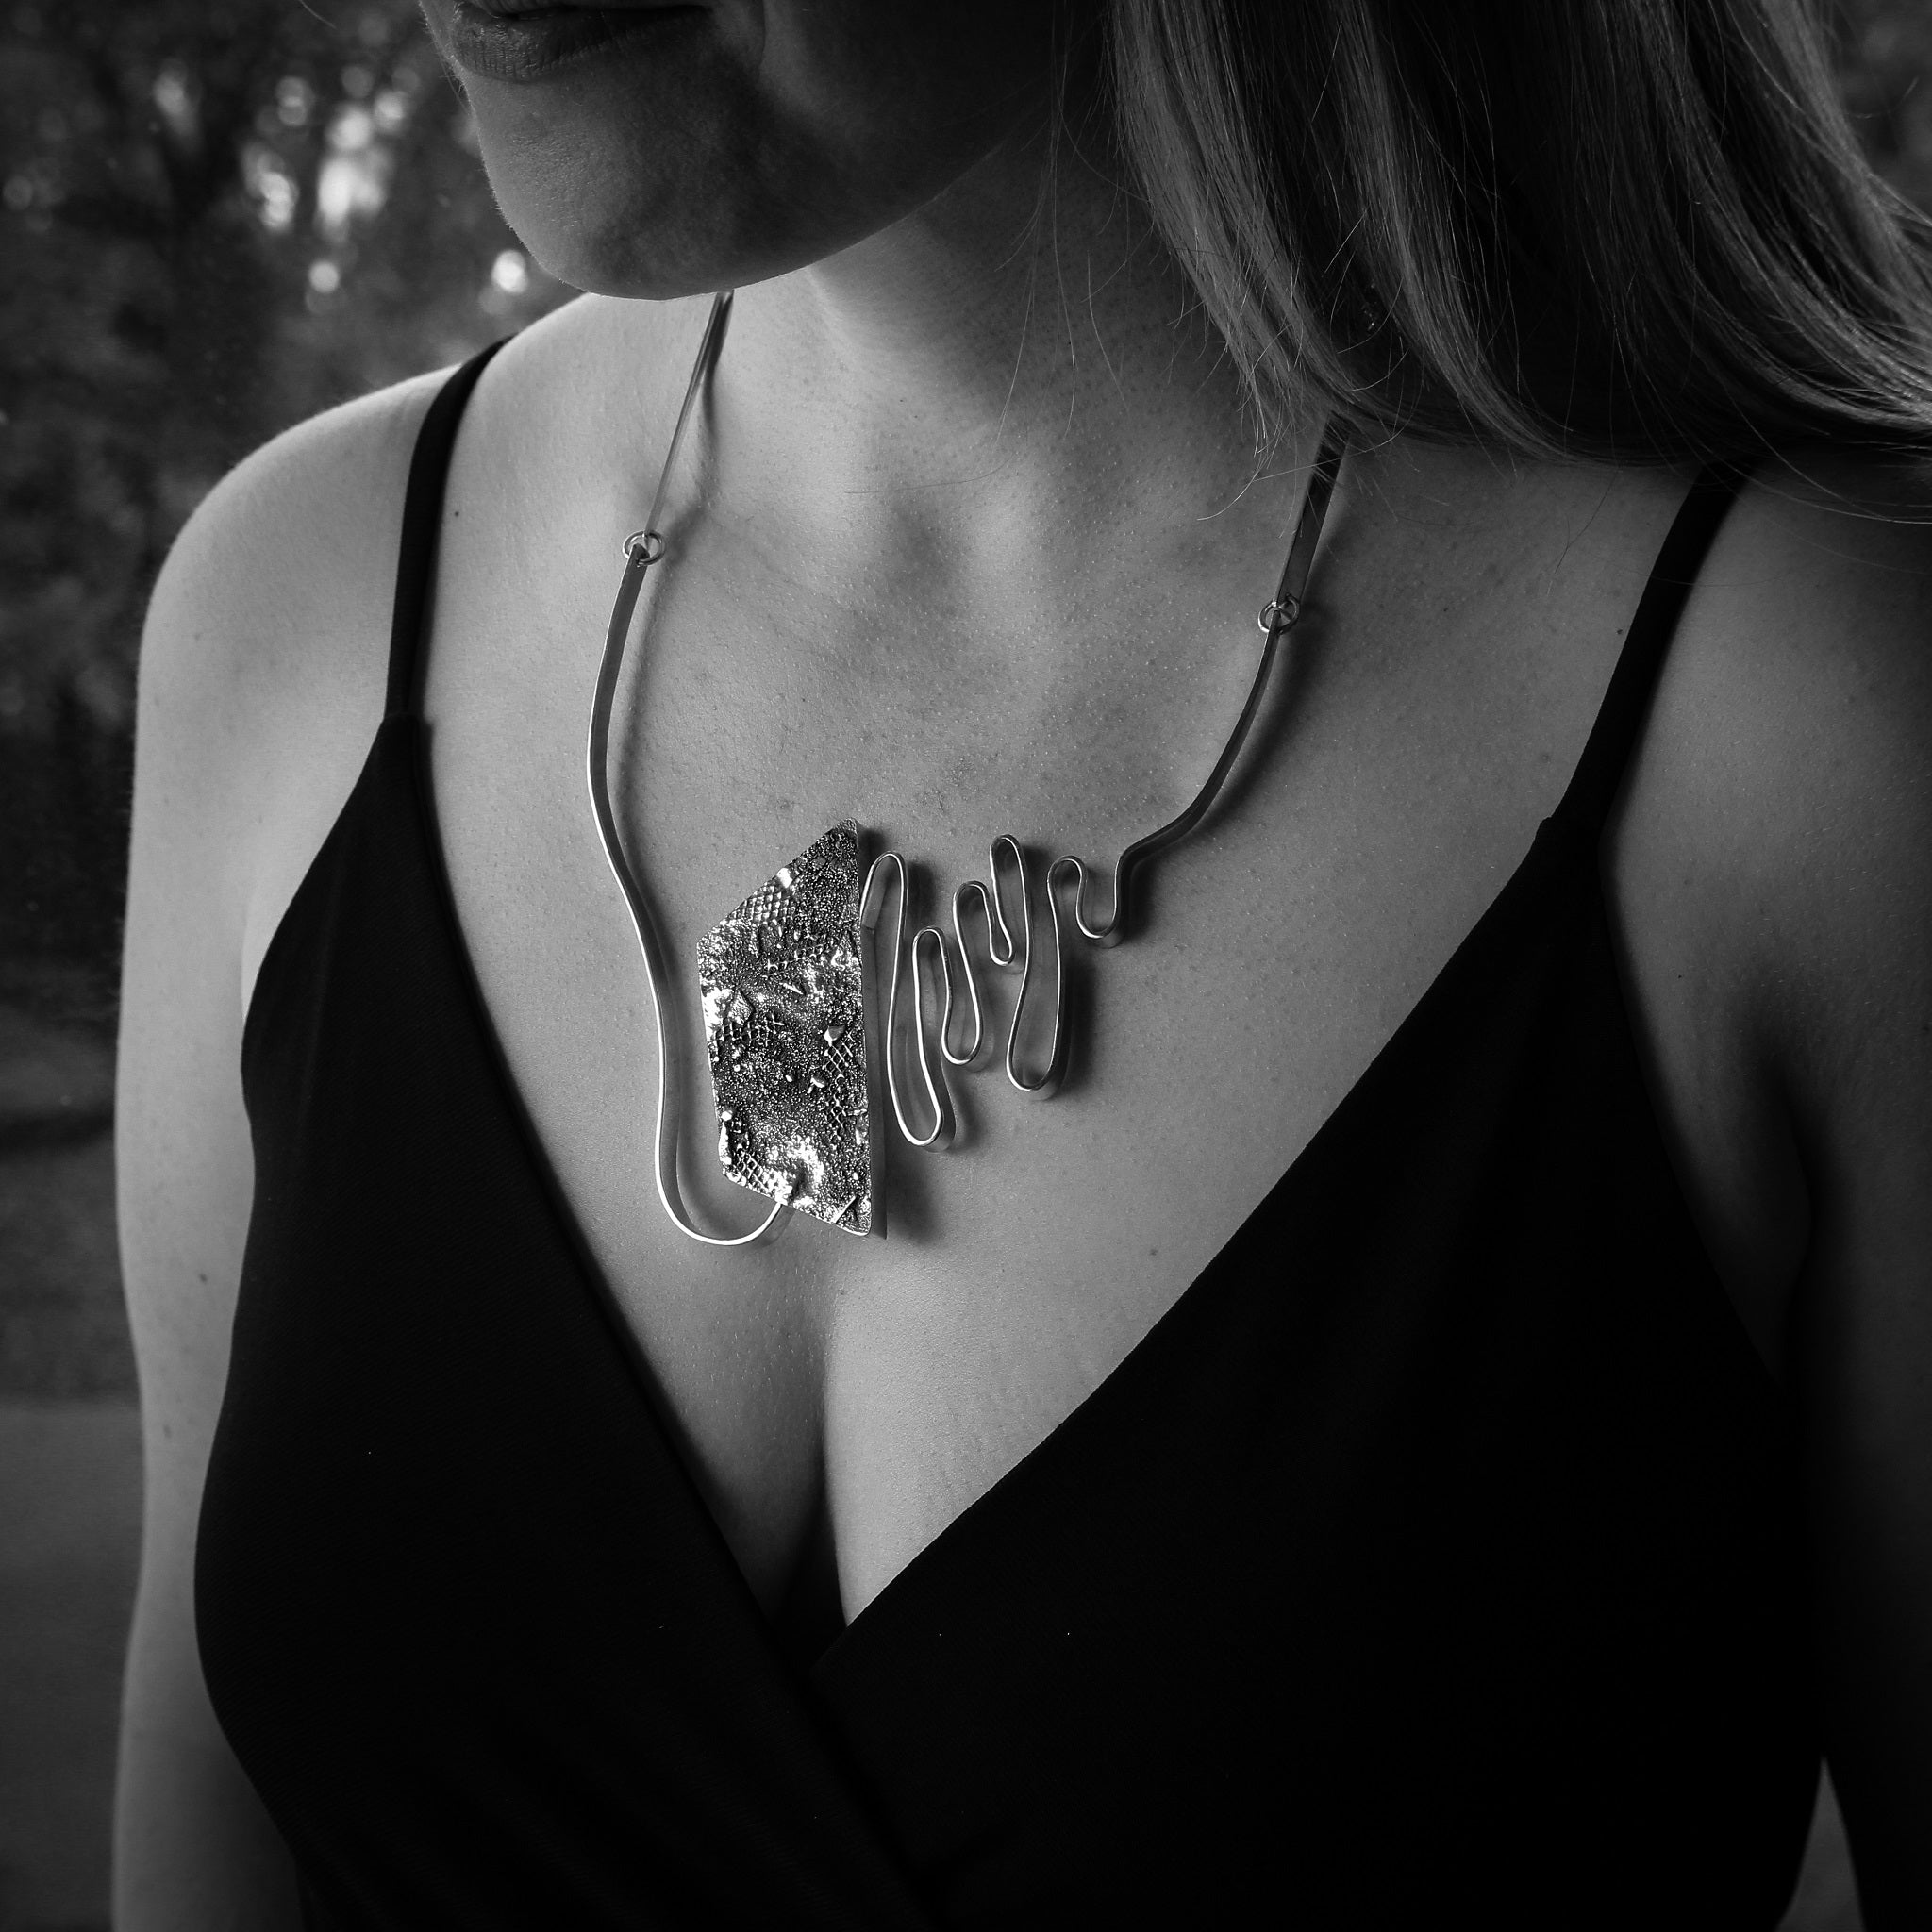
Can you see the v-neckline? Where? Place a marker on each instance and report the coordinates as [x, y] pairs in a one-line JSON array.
[[1576, 822], [1535, 869]]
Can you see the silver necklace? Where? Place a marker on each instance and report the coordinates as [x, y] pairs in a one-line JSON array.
[[800, 1053]]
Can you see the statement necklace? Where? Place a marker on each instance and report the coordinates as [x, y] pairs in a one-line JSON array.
[[799, 1051]]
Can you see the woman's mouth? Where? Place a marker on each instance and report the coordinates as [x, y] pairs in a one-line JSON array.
[[531, 39]]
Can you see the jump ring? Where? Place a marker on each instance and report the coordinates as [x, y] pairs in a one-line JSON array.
[[1278, 614]]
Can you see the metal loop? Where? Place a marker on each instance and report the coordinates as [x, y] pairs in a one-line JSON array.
[[1047, 1084], [1114, 928], [643, 548], [938, 1098], [1277, 615], [975, 1054]]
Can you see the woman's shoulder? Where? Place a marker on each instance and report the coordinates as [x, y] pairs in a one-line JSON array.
[[264, 660], [286, 569], [1788, 765], [1796, 715], [1774, 861], [273, 578], [1829, 555]]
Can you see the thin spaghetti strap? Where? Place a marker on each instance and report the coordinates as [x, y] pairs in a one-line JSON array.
[[422, 519], [1599, 774]]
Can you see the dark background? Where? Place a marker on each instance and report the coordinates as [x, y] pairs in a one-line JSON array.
[[217, 217]]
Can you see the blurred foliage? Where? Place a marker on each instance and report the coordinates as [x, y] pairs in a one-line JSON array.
[[1885, 72], [217, 217]]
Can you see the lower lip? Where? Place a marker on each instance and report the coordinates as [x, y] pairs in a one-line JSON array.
[[536, 45]]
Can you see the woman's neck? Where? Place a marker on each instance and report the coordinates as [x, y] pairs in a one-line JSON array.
[[1016, 364]]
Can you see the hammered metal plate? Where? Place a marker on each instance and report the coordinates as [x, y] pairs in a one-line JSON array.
[[783, 989]]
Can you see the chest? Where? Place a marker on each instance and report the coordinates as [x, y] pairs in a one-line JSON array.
[[1395, 778]]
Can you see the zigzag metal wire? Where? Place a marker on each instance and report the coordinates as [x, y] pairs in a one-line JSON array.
[[1276, 620], [1278, 617]]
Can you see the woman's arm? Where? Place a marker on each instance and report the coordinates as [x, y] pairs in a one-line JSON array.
[[1859, 1050], [1812, 823], [260, 685]]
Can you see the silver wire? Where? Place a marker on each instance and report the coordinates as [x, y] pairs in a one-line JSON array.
[[1066, 876], [642, 550], [939, 1135]]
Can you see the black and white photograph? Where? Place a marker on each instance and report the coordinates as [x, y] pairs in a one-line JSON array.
[[965, 968]]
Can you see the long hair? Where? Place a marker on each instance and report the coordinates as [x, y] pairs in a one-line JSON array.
[[1638, 230]]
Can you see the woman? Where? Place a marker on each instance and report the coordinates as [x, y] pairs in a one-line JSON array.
[[1431, 1420]]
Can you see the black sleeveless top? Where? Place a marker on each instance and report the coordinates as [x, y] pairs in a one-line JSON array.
[[1432, 1559]]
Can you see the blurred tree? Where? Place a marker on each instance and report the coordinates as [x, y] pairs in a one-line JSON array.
[[1885, 69], [218, 216]]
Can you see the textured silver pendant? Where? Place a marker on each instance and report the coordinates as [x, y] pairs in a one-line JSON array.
[[782, 980]]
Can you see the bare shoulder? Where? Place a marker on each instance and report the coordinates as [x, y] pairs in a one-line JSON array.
[[292, 523], [1773, 873], [263, 637], [1821, 583], [263, 664], [277, 591], [1791, 746]]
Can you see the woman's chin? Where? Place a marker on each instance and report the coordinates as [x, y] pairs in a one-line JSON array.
[[636, 255]]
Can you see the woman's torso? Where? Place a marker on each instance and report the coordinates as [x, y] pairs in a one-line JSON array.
[[1435, 1546], [1436, 705]]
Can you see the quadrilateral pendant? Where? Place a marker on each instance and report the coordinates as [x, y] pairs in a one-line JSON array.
[[782, 979]]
